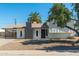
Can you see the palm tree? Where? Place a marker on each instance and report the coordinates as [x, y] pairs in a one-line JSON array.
[[34, 17], [61, 15]]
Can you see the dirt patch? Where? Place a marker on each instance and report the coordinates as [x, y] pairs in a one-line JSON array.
[[17, 45]]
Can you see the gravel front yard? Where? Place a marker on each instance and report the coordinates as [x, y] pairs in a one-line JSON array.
[[24, 47], [20, 44], [5, 41]]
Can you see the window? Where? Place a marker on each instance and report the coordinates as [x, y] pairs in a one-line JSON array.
[[36, 33], [20, 33]]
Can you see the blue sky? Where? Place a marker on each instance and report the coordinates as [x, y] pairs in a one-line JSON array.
[[20, 11]]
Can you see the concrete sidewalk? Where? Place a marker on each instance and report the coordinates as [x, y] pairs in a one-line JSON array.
[[36, 53]]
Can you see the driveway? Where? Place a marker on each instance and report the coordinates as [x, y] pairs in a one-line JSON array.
[[5, 41]]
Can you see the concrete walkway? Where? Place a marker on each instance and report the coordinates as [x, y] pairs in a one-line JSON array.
[[5, 41]]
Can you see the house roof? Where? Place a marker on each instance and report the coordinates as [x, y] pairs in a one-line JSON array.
[[44, 25], [36, 25], [15, 26], [39, 25]]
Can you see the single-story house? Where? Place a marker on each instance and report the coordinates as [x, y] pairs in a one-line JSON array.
[[15, 31], [39, 31]]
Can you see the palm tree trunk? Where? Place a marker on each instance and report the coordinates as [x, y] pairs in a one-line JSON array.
[[77, 32]]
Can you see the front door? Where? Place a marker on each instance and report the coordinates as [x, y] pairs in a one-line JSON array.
[[43, 33]]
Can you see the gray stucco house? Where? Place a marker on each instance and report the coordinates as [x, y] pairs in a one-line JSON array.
[[39, 31]]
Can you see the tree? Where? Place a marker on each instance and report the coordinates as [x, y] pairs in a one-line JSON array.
[[76, 9], [61, 16], [34, 17]]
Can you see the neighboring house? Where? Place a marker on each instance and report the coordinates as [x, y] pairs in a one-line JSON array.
[[39, 31], [15, 31], [2, 33]]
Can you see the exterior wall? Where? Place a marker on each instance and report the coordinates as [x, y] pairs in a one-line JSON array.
[[58, 35], [18, 33], [34, 34]]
